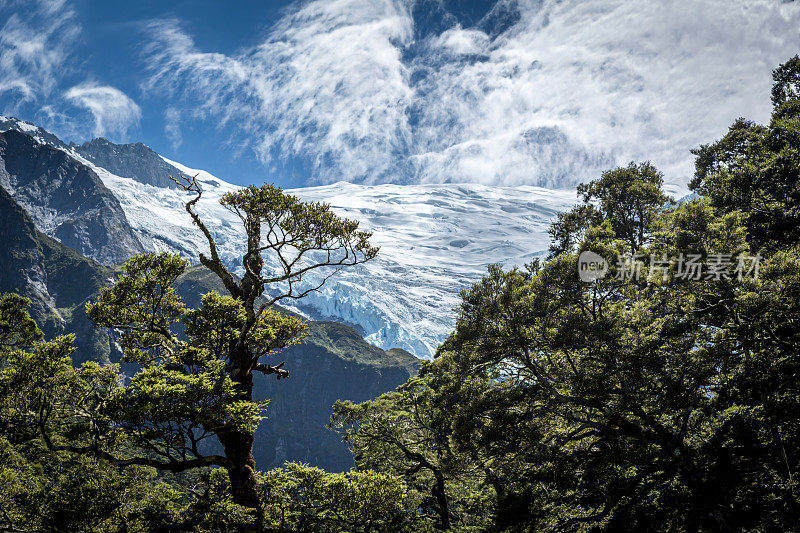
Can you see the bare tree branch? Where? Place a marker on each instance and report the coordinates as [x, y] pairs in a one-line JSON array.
[[214, 264]]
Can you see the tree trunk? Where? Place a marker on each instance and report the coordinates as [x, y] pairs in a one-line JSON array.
[[441, 498], [239, 452], [238, 444]]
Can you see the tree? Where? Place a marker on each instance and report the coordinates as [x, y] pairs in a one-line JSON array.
[[786, 80], [192, 390], [567, 231], [629, 198], [404, 434], [754, 169], [43, 485], [659, 404]]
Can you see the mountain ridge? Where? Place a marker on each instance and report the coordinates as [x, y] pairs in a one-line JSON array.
[[332, 362], [435, 240], [65, 199], [134, 160]]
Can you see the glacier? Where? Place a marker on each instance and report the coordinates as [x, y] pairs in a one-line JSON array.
[[435, 241]]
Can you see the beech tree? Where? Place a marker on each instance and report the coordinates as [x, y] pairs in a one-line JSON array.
[[196, 379], [628, 198], [666, 401]]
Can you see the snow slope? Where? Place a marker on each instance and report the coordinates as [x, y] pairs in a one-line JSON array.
[[435, 240]]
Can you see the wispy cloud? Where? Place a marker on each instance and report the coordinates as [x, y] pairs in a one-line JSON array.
[[35, 41], [172, 127], [112, 110], [542, 92], [327, 85], [37, 61], [575, 87]]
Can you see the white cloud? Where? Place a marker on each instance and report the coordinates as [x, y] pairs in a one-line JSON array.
[[328, 84], [172, 127], [575, 87], [35, 41], [460, 41], [113, 111], [565, 90]]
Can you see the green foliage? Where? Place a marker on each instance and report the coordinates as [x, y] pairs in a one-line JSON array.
[[190, 395], [786, 79], [628, 198], [48, 407], [71, 439], [304, 498], [567, 231], [183, 395], [40, 491], [306, 225], [143, 304], [754, 169], [663, 403], [220, 319], [402, 433], [17, 329]]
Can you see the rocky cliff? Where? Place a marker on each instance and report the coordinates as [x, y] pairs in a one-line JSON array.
[[65, 199], [136, 161], [57, 279]]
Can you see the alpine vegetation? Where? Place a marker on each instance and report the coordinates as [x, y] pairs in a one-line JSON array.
[[641, 374]]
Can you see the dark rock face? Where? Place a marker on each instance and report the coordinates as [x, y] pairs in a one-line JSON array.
[[333, 363], [21, 263], [57, 279], [136, 161], [66, 199]]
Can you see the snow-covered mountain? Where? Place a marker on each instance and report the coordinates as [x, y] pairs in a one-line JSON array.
[[435, 240], [65, 198]]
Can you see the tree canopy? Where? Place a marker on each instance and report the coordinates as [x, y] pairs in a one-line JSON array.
[[666, 401], [661, 396]]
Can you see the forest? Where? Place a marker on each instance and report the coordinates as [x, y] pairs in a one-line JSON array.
[[661, 395]]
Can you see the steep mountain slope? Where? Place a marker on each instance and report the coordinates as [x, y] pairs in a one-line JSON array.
[[21, 264], [135, 161], [301, 406], [65, 199], [435, 240], [57, 279]]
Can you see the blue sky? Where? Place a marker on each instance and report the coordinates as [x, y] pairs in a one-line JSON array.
[[505, 92]]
